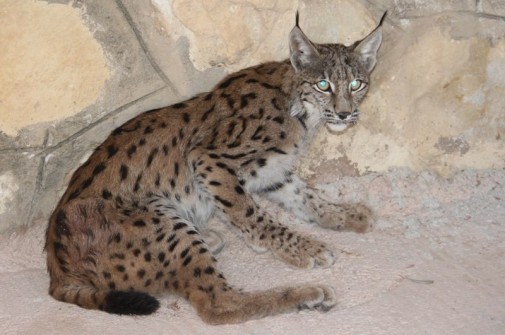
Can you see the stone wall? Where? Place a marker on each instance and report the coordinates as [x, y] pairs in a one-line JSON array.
[[73, 71]]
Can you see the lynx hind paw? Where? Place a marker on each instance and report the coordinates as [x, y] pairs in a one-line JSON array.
[[346, 217], [324, 299], [359, 218]]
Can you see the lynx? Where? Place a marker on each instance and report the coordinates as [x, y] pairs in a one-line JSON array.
[[132, 222]]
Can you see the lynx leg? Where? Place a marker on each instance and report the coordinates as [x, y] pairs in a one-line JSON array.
[[258, 228], [307, 204]]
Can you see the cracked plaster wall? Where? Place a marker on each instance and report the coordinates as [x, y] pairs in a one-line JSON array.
[[74, 70]]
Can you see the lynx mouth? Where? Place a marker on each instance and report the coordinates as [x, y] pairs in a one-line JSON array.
[[337, 125]]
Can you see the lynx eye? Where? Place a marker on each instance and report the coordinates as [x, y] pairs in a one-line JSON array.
[[323, 85], [356, 85]]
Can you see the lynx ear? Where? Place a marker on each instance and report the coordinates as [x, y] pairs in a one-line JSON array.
[[301, 50], [367, 48]]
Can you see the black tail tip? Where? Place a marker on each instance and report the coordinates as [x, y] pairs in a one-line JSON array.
[[132, 303]]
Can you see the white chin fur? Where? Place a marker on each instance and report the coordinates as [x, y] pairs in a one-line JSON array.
[[336, 127]]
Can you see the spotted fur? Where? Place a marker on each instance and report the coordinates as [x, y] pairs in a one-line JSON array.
[[132, 221]]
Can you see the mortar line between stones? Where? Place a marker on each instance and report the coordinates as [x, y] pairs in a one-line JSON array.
[[22, 150], [51, 149], [144, 47], [38, 180], [459, 12], [478, 5]]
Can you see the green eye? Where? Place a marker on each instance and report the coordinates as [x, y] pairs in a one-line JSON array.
[[356, 85], [323, 85]]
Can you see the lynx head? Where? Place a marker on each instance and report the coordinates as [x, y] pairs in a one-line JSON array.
[[333, 78]]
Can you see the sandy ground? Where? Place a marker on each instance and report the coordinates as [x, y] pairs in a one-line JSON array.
[[435, 264]]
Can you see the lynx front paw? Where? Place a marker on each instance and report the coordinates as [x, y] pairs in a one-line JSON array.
[[303, 252], [346, 217]]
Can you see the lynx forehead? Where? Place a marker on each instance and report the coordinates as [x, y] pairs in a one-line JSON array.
[[132, 222]]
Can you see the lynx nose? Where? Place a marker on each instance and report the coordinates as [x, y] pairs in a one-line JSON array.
[[343, 115]]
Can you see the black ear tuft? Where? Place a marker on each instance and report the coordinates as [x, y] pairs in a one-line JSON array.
[[296, 19], [383, 18], [367, 48]]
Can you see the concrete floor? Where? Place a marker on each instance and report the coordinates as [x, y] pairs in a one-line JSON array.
[[434, 265]]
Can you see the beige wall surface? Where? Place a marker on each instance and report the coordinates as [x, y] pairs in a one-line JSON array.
[[74, 70]]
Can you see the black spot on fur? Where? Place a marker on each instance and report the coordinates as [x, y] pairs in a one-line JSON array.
[[139, 223], [148, 130], [172, 246], [224, 202], [185, 117], [106, 194], [249, 212], [277, 150], [209, 270], [111, 150], [231, 127], [227, 82], [99, 169], [136, 187], [278, 119], [131, 150], [184, 253], [141, 273], [244, 99], [179, 225], [272, 188], [270, 87], [236, 156], [275, 104], [187, 260], [87, 183], [239, 189], [152, 154], [180, 105], [207, 113], [62, 228], [74, 194], [123, 172]]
